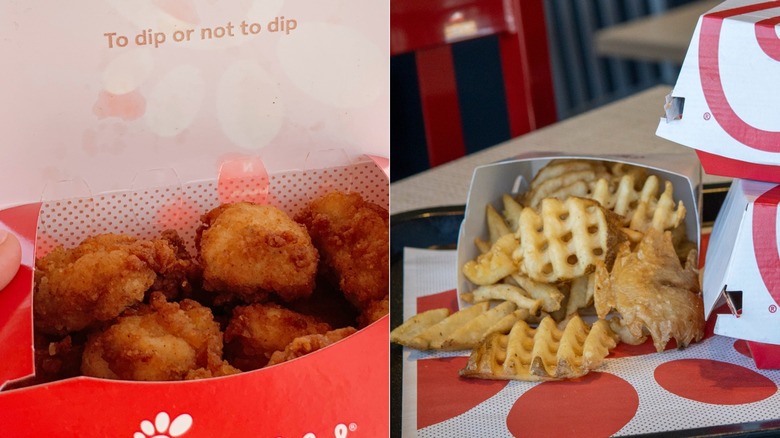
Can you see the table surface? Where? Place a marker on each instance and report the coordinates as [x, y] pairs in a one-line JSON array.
[[662, 37], [621, 127]]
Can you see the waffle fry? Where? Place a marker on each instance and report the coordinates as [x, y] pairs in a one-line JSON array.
[[580, 293], [459, 331], [544, 353], [565, 238], [503, 291], [512, 210], [641, 207], [496, 225], [415, 325], [550, 295], [493, 265], [563, 178]]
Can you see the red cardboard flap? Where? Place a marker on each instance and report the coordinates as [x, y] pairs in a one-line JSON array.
[[317, 395], [16, 298]]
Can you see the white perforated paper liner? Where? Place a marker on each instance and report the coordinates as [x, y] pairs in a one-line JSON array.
[[710, 383]]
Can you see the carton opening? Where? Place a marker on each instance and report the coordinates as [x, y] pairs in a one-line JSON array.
[[734, 301], [673, 108]]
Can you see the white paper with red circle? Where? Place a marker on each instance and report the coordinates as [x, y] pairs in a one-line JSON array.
[[729, 85], [637, 391]]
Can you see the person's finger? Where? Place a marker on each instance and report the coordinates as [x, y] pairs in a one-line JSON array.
[[10, 257]]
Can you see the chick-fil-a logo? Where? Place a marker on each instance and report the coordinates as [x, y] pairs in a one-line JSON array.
[[709, 69], [765, 241], [340, 431]]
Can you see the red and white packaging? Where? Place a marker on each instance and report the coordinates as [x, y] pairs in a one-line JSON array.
[[745, 269], [723, 105], [726, 95], [198, 104]]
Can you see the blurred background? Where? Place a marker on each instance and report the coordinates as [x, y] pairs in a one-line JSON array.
[[469, 74]]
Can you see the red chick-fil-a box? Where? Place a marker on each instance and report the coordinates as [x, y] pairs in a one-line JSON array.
[[139, 117]]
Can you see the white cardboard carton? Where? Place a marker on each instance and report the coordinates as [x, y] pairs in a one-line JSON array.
[[491, 181], [743, 267], [724, 103]]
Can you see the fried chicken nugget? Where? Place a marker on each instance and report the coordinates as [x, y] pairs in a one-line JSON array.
[[352, 238], [256, 331], [252, 250], [161, 341], [374, 312], [308, 344], [94, 282]]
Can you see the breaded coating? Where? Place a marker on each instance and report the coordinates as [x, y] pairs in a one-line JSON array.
[[94, 282], [251, 250], [161, 341], [179, 278], [352, 237], [57, 359], [256, 331], [374, 311], [224, 369], [307, 344]]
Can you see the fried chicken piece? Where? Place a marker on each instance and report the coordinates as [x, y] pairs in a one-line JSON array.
[[55, 358], [252, 250], [307, 344], [160, 341], [353, 240], [59, 359], [94, 282], [256, 331], [653, 293], [374, 311], [224, 369], [327, 304], [180, 278]]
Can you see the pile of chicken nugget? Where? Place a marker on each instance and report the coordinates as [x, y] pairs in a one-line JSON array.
[[261, 289]]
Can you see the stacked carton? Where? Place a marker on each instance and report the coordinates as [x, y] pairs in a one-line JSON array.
[[725, 105]]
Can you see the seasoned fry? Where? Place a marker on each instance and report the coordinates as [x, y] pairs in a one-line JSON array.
[[494, 265], [417, 324], [543, 353], [504, 291], [564, 239], [550, 295]]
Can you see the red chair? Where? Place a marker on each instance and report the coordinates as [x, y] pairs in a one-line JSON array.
[[428, 28]]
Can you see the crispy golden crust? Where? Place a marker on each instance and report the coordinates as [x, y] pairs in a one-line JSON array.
[[256, 331], [352, 237], [160, 341], [94, 282], [374, 311], [251, 250], [653, 293], [310, 343]]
